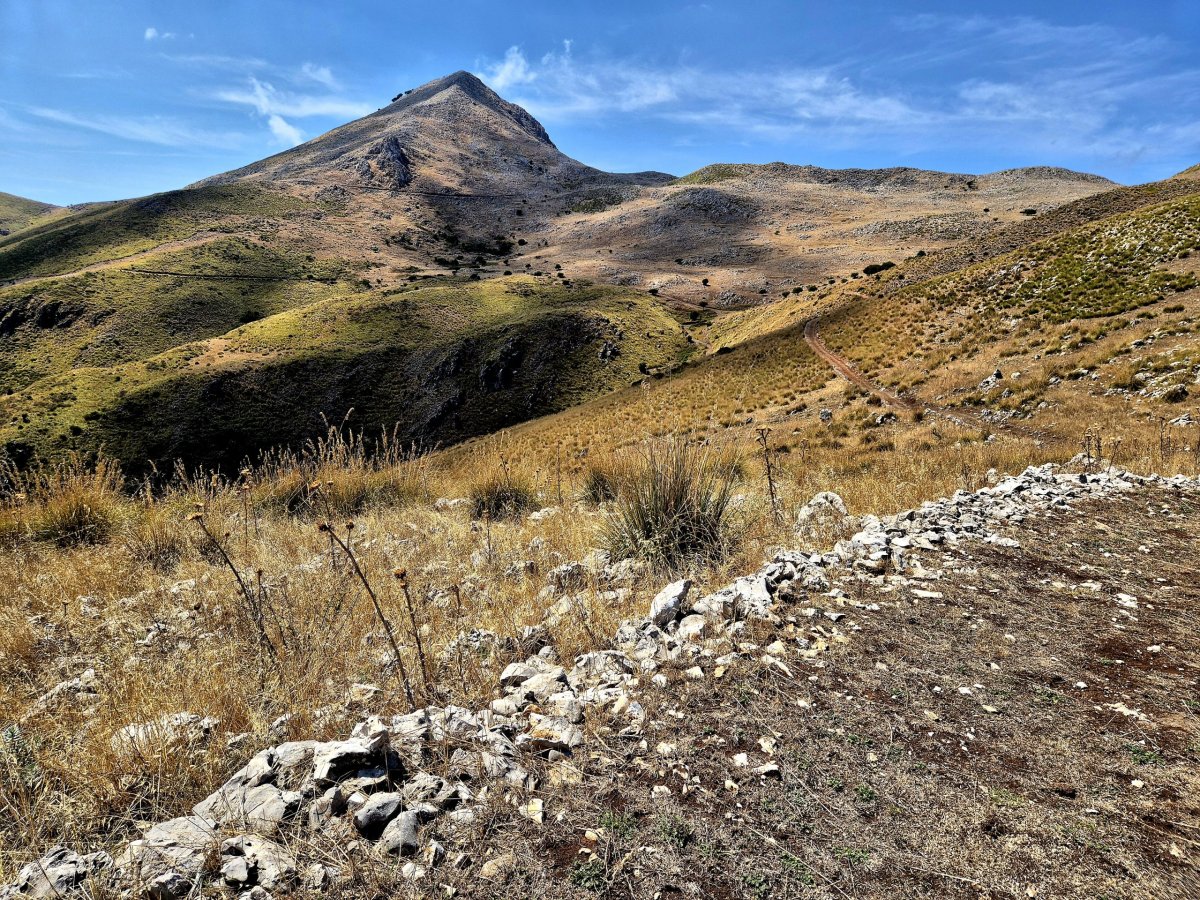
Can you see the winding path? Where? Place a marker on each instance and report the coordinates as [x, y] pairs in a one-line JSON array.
[[812, 337], [196, 240], [964, 417]]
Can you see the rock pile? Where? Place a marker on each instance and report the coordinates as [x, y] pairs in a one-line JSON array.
[[375, 787]]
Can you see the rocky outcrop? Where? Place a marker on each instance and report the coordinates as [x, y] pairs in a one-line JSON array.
[[383, 164]]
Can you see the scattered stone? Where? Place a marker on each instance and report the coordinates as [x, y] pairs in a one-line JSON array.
[[666, 606], [250, 860], [373, 816], [400, 838], [58, 873], [498, 868]]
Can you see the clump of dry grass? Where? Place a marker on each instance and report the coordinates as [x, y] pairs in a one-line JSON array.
[[70, 501], [340, 473], [672, 506], [501, 493], [601, 478]]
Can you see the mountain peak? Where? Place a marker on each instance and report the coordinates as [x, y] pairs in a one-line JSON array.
[[473, 88]]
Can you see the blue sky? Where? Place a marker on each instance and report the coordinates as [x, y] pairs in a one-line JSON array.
[[100, 100]]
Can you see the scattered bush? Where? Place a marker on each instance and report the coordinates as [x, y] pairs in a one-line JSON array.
[[68, 502]]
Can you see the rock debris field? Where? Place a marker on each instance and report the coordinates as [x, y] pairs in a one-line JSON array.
[[413, 792]]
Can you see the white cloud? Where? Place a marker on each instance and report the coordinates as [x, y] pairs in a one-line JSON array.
[[274, 104], [152, 130], [153, 34], [216, 61], [560, 87], [512, 70], [266, 99], [1031, 87], [286, 133], [320, 75]]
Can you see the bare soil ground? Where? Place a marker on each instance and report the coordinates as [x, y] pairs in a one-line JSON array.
[[1019, 730]]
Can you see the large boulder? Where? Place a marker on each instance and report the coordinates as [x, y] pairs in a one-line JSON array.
[[262, 808], [178, 847]]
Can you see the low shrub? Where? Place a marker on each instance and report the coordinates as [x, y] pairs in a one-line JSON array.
[[67, 502]]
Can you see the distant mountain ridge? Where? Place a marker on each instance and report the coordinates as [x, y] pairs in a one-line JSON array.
[[442, 268], [896, 176]]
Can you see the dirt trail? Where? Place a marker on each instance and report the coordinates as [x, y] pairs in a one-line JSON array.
[[812, 337], [966, 418], [196, 240]]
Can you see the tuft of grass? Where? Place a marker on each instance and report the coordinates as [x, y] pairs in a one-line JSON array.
[[673, 506], [676, 831], [590, 875], [154, 536], [601, 480], [502, 494], [66, 502], [339, 475]]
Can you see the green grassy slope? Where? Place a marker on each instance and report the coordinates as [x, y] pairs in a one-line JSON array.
[[17, 213], [443, 363], [1117, 296], [1042, 294], [117, 315], [113, 230], [1090, 335]]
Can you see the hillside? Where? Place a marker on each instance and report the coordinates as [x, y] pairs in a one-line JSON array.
[[756, 232], [1091, 324], [17, 212], [161, 306], [430, 364], [769, 532], [892, 715]]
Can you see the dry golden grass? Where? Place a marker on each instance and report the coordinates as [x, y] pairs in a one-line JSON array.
[[150, 603], [222, 596]]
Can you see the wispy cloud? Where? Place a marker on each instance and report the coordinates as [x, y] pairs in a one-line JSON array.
[[560, 87], [98, 74], [284, 131], [1033, 86], [218, 61], [153, 34], [277, 106], [512, 70], [266, 100], [319, 75], [164, 131], [11, 123]]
